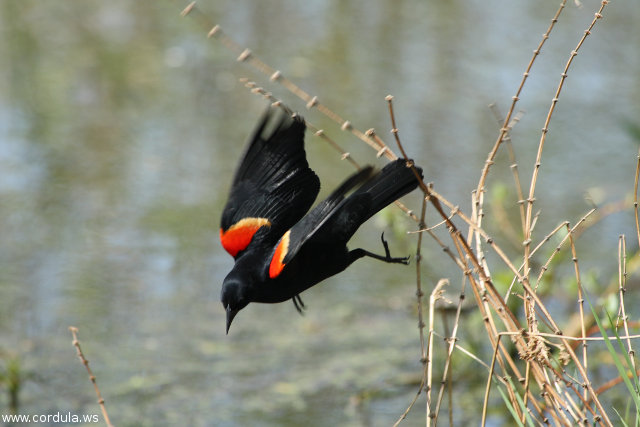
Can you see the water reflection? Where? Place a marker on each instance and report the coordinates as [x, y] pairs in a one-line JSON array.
[[120, 124]]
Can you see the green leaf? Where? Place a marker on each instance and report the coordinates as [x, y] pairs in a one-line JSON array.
[[616, 358]]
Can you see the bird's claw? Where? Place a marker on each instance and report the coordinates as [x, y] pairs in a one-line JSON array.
[[297, 302], [387, 254]]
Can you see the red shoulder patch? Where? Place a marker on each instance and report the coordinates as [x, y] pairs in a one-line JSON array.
[[276, 265], [239, 235]]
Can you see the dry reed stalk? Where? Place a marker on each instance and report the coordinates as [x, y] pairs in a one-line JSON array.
[[635, 198], [85, 362], [246, 55], [574, 257], [505, 128], [622, 289]]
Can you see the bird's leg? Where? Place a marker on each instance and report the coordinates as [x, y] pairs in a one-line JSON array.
[[297, 302], [358, 253]]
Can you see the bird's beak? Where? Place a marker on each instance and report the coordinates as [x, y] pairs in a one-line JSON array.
[[230, 315]]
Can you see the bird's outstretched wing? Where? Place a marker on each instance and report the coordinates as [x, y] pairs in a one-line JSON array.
[[273, 186], [338, 217]]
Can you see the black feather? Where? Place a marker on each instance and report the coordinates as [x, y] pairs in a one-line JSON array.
[[337, 218], [273, 179]]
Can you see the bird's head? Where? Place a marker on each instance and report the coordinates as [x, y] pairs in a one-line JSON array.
[[234, 295]]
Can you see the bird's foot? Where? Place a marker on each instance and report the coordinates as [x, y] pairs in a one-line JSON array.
[[297, 302], [387, 254]]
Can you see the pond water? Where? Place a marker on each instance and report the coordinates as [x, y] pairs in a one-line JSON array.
[[120, 127]]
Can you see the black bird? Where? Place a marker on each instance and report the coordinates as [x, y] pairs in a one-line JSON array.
[[278, 250]]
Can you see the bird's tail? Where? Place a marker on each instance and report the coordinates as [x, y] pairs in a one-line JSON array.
[[394, 181]]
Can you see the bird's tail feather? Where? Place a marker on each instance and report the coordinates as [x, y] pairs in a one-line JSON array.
[[394, 181]]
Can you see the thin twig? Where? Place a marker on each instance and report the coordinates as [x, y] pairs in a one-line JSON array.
[[622, 289], [425, 356], [558, 248], [574, 256], [505, 128], [436, 294], [549, 335], [513, 165], [245, 55], [545, 128], [635, 198], [85, 362], [426, 359], [485, 404]]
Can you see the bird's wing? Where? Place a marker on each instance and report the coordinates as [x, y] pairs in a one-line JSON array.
[[273, 186], [338, 217], [300, 234]]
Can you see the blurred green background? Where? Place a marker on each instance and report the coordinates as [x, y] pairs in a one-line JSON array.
[[120, 126]]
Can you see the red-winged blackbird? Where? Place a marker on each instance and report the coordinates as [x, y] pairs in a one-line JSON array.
[[278, 250]]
